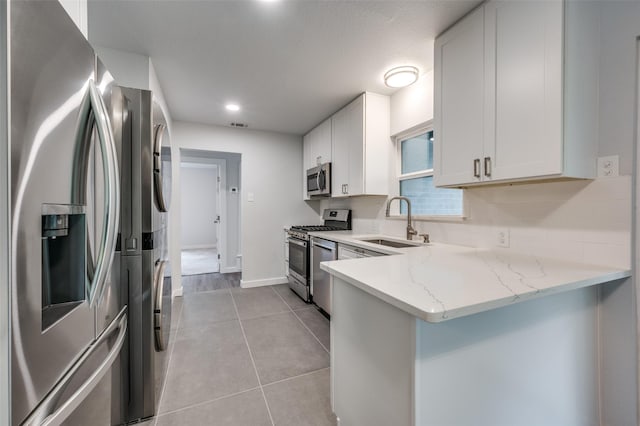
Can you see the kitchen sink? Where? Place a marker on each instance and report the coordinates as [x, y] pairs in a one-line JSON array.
[[390, 243]]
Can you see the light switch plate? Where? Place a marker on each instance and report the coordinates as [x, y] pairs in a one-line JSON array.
[[250, 197], [608, 166]]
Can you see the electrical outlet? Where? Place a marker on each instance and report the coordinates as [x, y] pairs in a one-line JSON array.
[[502, 237], [608, 166]]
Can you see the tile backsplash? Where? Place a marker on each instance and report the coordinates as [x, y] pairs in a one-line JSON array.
[[583, 221]]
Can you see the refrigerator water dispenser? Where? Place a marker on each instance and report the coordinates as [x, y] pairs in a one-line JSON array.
[[64, 246]]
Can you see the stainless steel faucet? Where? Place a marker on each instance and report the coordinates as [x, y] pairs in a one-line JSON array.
[[410, 230]]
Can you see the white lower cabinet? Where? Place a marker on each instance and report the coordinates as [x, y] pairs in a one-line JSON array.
[[528, 364]]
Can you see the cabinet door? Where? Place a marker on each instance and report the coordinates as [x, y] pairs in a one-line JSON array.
[[524, 77], [307, 162], [354, 134], [323, 142], [459, 101], [347, 144]]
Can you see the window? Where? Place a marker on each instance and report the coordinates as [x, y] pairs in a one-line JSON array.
[[415, 163]]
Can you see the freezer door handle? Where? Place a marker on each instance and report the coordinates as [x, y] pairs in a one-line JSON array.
[[93, 111], [42, 415], [161, 334]]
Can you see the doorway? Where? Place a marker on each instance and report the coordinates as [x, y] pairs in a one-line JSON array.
[[209, 219], [202, 201]]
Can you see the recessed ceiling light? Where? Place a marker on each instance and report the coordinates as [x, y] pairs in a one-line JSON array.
[[401, 76], [232, 107]]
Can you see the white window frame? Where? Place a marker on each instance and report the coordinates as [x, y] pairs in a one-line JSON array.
[[399, 176]]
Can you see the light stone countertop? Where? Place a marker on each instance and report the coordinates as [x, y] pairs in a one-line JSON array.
[[438, 282]]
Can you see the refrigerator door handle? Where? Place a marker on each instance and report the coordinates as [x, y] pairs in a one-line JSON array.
[[42, 415], [93, 110], [112, 193]]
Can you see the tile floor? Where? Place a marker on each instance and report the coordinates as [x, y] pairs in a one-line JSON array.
[[246, 357]]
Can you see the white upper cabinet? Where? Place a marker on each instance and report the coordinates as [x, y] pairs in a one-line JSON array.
[[317, 145], [316, 150], [361, 147], [459, 101], [516, 94]]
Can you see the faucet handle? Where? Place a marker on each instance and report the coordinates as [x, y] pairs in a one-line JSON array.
[[425, 238]]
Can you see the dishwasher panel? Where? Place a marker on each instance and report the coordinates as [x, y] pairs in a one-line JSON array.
[[321, 251]]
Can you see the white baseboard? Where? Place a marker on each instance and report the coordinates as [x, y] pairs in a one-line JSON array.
[[229, 269], [177, 292], [262, 283]]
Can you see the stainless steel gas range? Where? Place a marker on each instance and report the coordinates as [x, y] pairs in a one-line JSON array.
[[300, 249]]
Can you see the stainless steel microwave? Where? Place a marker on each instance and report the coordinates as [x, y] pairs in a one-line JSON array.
[[319, 180]]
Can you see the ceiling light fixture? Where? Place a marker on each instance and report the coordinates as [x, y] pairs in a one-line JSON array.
[[401, 76], [232, 107]]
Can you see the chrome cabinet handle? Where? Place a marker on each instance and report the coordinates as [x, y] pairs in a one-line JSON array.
[[487, 166], [42, 415], [476, 168]]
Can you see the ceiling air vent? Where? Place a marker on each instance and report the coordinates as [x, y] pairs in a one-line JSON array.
[[241, 125]]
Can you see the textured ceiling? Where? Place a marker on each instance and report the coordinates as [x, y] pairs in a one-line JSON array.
[[289, 64]]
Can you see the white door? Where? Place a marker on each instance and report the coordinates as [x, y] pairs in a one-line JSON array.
[[218, 212]]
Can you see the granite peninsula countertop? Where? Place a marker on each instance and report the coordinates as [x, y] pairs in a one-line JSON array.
[[437, 282]]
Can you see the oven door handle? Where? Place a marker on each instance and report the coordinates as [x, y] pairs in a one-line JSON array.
[[297, 242]]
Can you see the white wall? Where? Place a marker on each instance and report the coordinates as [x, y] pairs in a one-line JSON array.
[[77, 10], [620, 28], [129, 69], [270, 171], [413, 105], [199, 207], [135, 71]]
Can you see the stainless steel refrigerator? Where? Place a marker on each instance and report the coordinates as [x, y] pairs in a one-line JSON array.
[[146, 199], [68, 312]]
